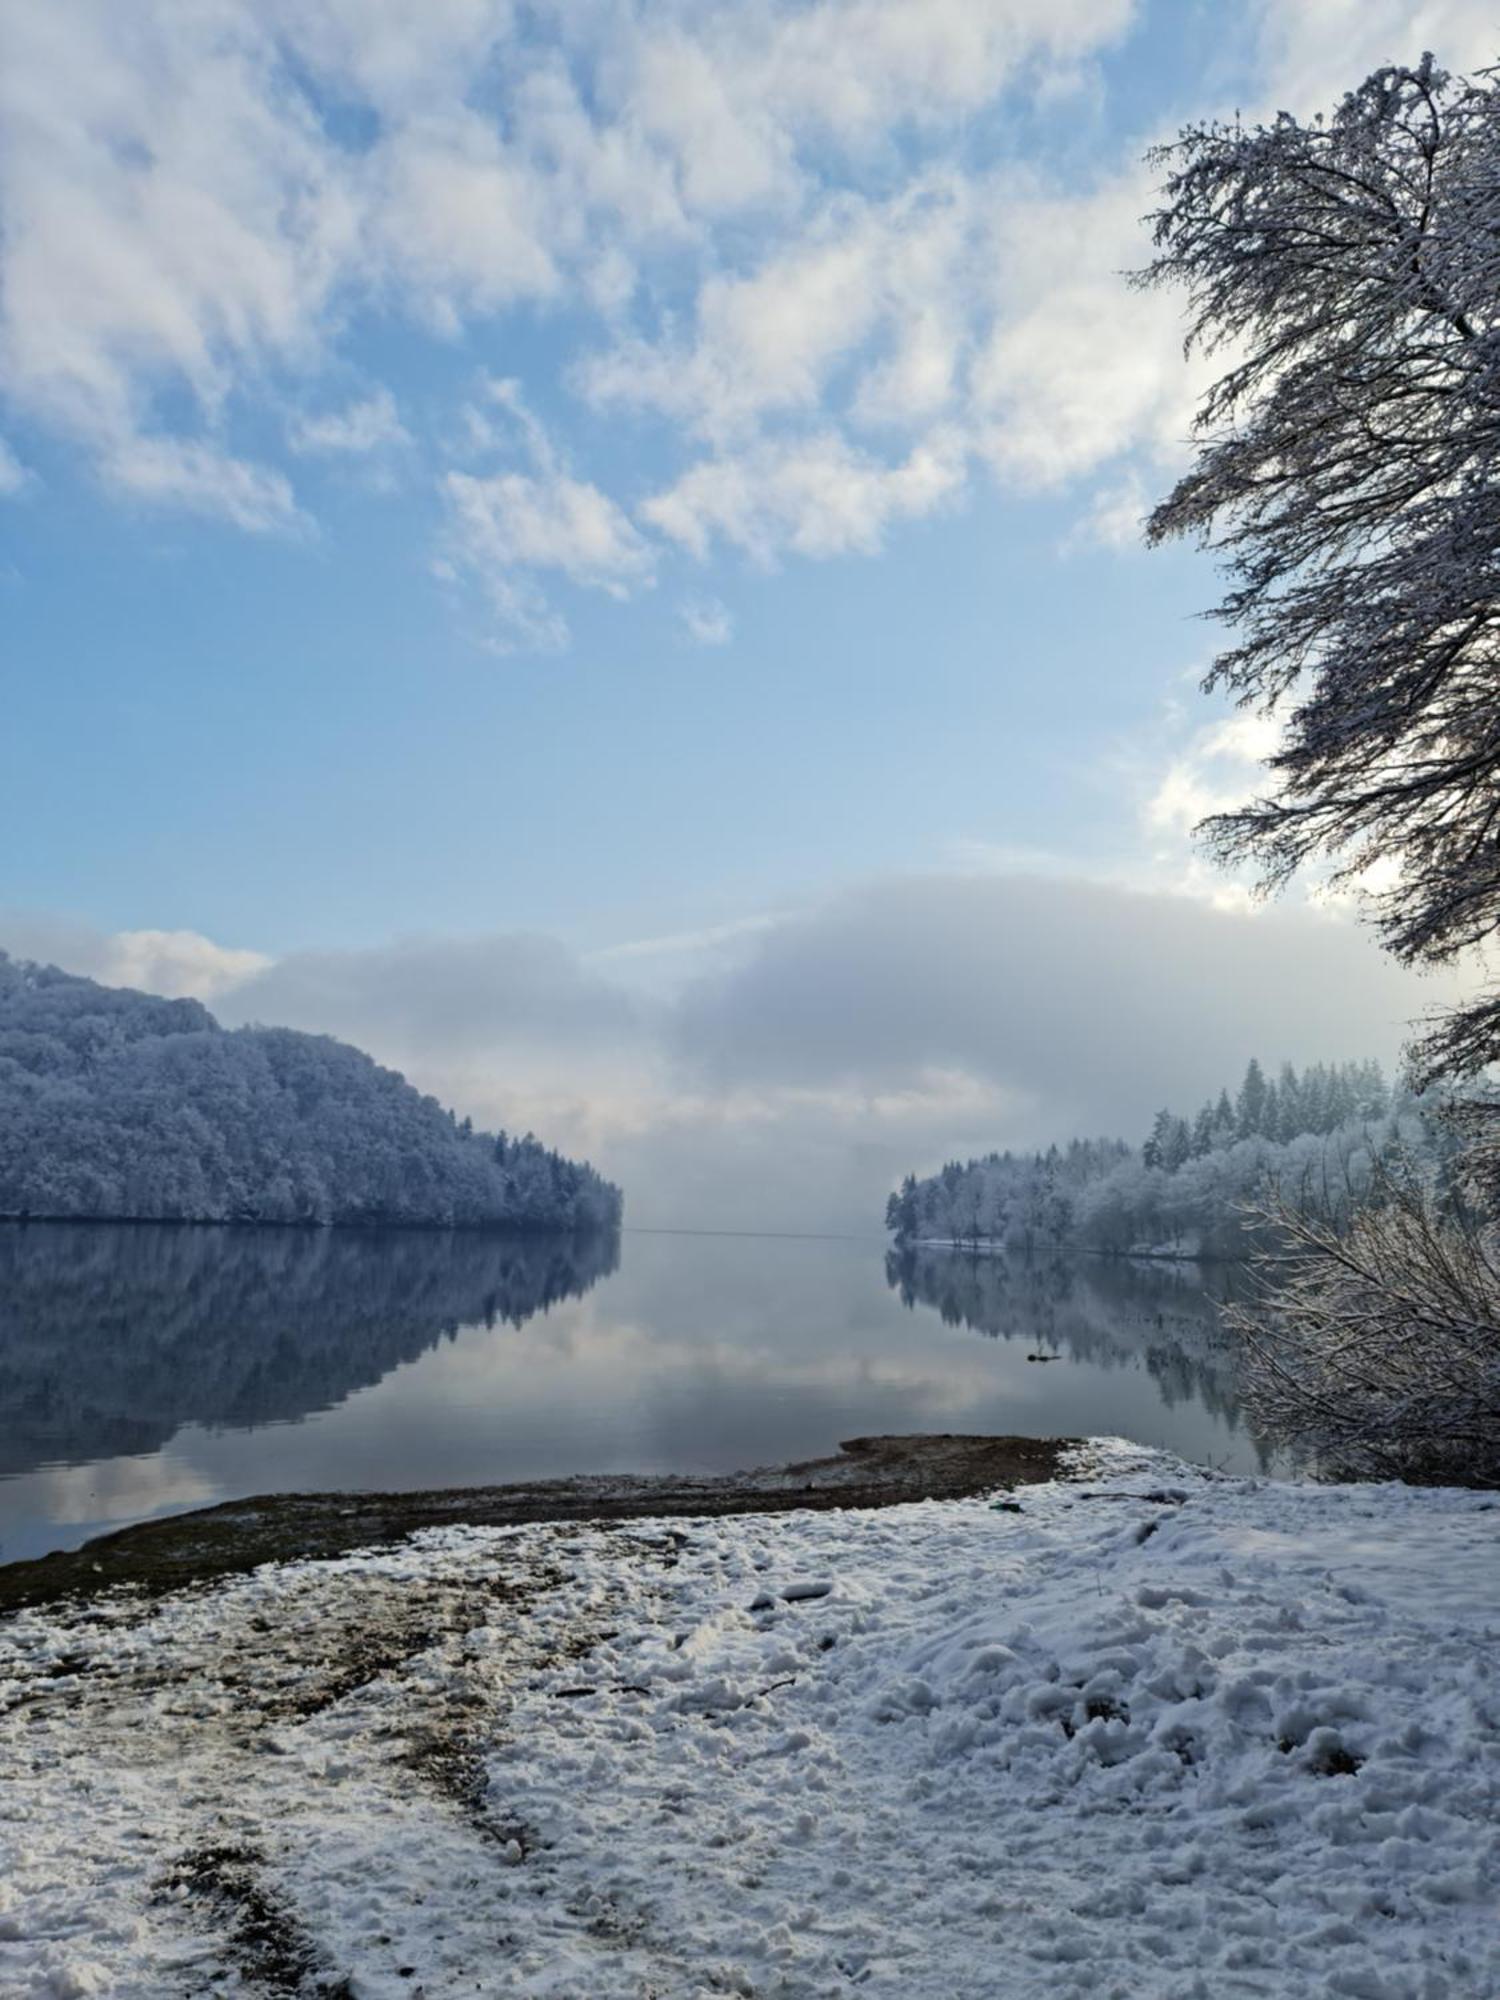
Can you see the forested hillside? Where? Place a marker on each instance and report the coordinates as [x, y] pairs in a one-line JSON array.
[[117, 1104], [1185, 1190]]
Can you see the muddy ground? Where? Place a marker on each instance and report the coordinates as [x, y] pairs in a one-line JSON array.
[[241, 1534]]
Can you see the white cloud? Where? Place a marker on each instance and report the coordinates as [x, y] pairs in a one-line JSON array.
[[13, 475], [178, 964], [1000, 978], [1116, 517], [772, 210], [184, 222], [740, 92], [548, 522], [461, 997], [168, 222], [201, 479], [458, 225], [706, 620], [817, 496], [1077, 368], [1312, 54], [1220, 769], [676, 942], [368, 426], [505, 527], [763, 341]]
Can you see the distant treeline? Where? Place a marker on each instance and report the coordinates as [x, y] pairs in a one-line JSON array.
[[119, 1105], [1185, 1191]]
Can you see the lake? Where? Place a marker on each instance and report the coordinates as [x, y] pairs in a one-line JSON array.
[[148, 1369]]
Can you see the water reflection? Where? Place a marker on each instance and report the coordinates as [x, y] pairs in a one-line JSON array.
[[148, 1369], [112, 1338], [1110, 1313]]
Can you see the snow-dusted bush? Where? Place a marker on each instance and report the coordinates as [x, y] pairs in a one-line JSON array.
[[1374, 1342], [118, 1104]]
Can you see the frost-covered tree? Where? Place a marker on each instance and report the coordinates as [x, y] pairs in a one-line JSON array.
[[1348, 477], [1203, 1133], [1346, 474], [1289, 1103], [1223, 1126], [1250, 1106]]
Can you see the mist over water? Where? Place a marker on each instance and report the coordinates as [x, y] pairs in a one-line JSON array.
[[147, 1369]]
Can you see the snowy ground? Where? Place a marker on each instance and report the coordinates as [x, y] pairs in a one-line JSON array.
[[1149, 1734]]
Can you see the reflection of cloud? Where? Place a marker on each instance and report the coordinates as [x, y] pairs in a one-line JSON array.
[[113, 1339], [118, 1489], [709, 1353]]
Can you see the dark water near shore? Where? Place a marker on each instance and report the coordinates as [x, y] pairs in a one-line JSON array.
[[147, 1369]]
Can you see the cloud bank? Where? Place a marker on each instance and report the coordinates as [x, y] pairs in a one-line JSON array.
[[829, 1050]]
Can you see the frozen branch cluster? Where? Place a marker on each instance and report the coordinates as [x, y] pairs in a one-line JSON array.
[[1375, 1344], [1349, 269], [1346, 475]]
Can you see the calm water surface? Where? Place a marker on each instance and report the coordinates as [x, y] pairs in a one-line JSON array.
[[144, 1370]]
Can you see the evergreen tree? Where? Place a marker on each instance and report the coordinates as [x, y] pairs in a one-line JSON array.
[[1288, 1104], [1270, 1118], [1250, 1107], [1374, 1097], [1154, 1152], [1224, 1131], [1343, 1100], [1315, 1098]]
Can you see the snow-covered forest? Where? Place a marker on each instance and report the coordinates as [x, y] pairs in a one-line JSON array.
[[1186, 1190], [117, 1104]]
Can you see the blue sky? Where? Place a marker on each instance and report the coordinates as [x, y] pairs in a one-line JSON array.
[[607, 475]]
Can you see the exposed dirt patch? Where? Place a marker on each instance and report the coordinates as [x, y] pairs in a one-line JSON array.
[[259, 1934], [240, 1535]]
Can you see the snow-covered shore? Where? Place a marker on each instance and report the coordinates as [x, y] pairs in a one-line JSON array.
[[1139, 1733]]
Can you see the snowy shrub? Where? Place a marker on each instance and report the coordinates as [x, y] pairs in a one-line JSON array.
[[1373, 1344]]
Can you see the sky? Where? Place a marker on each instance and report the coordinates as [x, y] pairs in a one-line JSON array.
[[595, 551]]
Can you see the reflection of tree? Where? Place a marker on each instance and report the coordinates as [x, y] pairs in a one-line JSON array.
[[1109, 1313], [112, 1337]]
